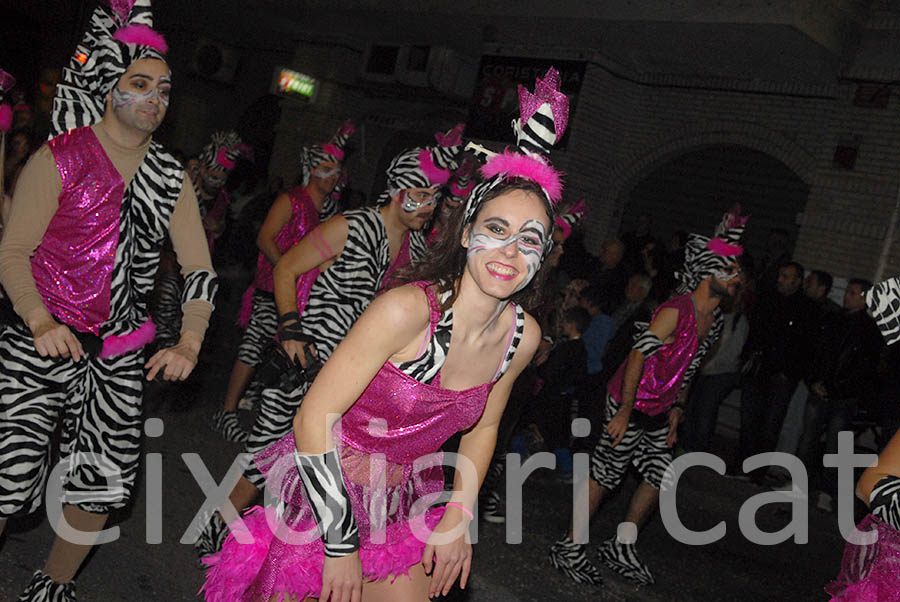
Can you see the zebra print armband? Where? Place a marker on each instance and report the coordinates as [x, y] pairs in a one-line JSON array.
[[200, 285], [327, 496], [647, 343]]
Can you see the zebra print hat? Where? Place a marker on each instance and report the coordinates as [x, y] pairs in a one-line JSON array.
[[543, 117], [462, 181], [116, 37], [316, 154], [883, 301], [222, 151], [424, 167], [571, 218], [704, 256]]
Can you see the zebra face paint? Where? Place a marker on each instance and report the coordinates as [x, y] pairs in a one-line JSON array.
[[416, 198], [528, 243], [141, 97]]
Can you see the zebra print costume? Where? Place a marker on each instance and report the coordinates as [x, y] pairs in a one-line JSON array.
[[261, 329], [339, 296], [883, 301], [98, 400], [884, 500]]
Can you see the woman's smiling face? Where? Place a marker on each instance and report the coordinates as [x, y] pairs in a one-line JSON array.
[[506, 243]]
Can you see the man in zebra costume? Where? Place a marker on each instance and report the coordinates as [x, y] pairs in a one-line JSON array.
[[89, 216], [293, 215], [217, 159], [356, 252], [645, 402]]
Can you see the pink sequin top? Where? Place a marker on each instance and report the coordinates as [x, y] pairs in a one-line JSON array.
[[664, 370], [73, 265], [304, 218]]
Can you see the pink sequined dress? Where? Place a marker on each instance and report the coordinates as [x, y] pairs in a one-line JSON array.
[[392, 471]]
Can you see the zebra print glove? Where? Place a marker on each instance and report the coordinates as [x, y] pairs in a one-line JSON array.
[[327, 496], [647, 343]]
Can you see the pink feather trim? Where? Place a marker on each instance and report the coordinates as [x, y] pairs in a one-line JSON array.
[[142, 36], [120, 344], [461, 191], [436, 176], [564, 226], [223, 160], [720, 247], [514, 165], [334, 151], [6, 118]]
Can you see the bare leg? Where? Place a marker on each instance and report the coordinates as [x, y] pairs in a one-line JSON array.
[[596, 494], [404, 589], [643, 504], [241, 373], [66, 557]]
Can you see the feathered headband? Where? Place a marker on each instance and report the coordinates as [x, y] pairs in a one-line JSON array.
[[704, 256], [543, 117], [222, 151], [571, 218], [314, 155], [462, 181], [424, 167], [116, 37]]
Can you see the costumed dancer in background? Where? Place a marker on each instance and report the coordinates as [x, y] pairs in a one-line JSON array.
[[424, 361], [454, 194], [217, 159], [645, 401], [869, 569], [7, 82], [360, 248], [293, 214], [72, 352]]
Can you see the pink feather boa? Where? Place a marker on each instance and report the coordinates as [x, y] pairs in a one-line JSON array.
[[515, 165], [223, 160], [142, 36], [436, 176], [334, 151], [720, 247], [123, 343]]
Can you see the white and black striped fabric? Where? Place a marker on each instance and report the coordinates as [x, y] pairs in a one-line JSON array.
[[42, 588], [261, 329], [883, 301], [643, 446], [884, 501], [646, 342], [226, 141], [405, 170], [715, 330], [98, 403], [165, 309], [323, 482]]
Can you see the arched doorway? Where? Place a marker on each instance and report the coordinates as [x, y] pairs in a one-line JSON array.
[[691, 191]]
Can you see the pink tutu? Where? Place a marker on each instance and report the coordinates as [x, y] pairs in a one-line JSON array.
[[870, 573]]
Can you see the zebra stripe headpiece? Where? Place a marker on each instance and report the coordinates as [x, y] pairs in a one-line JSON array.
[[883, 301], [704, 256], [222, 151], [7, 82], [543, 117], [571, 218], [115, 38], [424, 167], [314, 155]]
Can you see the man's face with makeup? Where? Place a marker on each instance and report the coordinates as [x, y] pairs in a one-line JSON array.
[[506, 243], [416, 206], [140, 98]]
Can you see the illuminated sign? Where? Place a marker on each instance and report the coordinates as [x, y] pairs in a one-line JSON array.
[[293, 83]]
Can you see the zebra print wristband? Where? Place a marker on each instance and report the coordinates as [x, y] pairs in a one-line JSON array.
[[648, 343], [327, 496]]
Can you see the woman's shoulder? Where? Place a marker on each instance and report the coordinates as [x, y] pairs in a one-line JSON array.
[[405, 306]]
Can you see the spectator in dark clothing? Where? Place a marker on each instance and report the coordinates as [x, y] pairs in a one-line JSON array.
[[636, 240], [817, 286], [776, 255], [841, 377], [781, 332], [612, 275], [600, 330], [636, 292]]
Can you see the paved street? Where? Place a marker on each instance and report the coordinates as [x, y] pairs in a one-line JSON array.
[[730, 570]]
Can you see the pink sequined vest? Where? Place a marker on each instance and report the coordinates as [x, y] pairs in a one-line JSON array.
[[664, 371], [72, 266], [304, 218]]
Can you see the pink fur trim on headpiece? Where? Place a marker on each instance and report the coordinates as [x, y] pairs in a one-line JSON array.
[[461, 191], [123, 343], [514, 165], [435, 175], [223, 160], [6, 118], [334, 151], [722, 248], [142, 36], [564, 227], [734, 218]]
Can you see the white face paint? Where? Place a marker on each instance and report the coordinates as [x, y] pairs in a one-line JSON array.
[[727, 273], [530, 241], [323, 173], [140, 98], [415, 199]]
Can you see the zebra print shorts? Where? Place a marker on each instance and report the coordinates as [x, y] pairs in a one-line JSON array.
[[643, 446], [98, 403], [261, 329]]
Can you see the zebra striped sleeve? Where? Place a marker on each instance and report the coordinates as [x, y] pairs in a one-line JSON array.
[[200, 285], [647, 343], [327, 496], [883, 300]]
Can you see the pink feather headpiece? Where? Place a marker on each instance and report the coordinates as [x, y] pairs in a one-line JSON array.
[[514, 165], [142, 36], [724, 249], [223, 160], [435, 175]]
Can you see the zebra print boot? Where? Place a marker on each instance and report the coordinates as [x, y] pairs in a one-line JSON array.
[[623, 559], [569, 557], [227, 425], [211, 537], [44, 589]]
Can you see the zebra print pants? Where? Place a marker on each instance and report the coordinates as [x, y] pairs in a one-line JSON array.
[[261, 329], [644, 446], [98, 403], [274, 420]]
